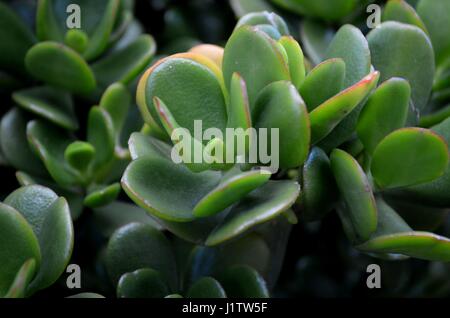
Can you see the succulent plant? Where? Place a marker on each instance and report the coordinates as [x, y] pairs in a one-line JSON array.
[[348, 126]]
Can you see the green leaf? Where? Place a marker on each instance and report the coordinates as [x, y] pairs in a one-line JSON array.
[[50, 143], [102, 196], [330, 113], [244, 7], [137, 246], [323, 82], [350, 45], [49, 216], [409, 156], [79, 155], [291, 120], [263, 204], [229, 191], [417, 244], [434, 14], [49, 103], [396, 48], [356, 192], [296, 62], [245, 44], [142, 283], [101, 135], [239, 109], [191, 91], [436, 192], [316, 38], [125, 64], [116, 101], [14, 143], [16, 40], [165, 189], [23, 278], [401, 11], [319, 192], [18, 243], [77, 40], [206, 287], [243, 282], [67, 69], [385, 111]]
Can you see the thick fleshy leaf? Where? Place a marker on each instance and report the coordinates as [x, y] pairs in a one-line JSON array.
[[291, 120], [206, 287], [67, 69], [50, 143], [396, 48], [165, 189], [23, 278], [385, 111], [77, 40], [401, 11], [244, 7], [110, 217], [323, 82], [417, 244], [434, 14], [142, 283], [436, 192], [356, 192], [229, 191], [102, 196], [79, 155], [245, 44], [295, 57], [190, 88], [135, 246], [330, 113], [101, 135], [49, 216], [18, 243], [124, 65], [243, 282], [261, 205], [319, 192], [14, 143], [315, 39], [16, 40], [239, 108], [409, 156], [51, 104], [350, 45], [116, 101]]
